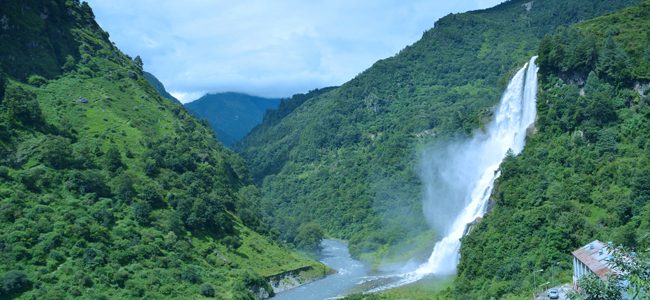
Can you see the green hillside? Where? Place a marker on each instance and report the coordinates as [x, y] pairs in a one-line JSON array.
[[222, 136], [107, 189], [348, 158], [585, 175], [232, 113]]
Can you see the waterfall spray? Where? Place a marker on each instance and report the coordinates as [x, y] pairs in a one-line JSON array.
[[468, 173]]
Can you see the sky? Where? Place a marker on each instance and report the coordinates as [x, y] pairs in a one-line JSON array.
[[267, 48]]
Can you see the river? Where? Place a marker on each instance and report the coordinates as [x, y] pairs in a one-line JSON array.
[[336, 256]]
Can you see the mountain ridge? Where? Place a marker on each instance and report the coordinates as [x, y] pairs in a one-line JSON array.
[[159, 87], [232, 113]]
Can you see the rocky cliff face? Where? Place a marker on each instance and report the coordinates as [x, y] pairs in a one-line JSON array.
[[295, 278], [259, 292]]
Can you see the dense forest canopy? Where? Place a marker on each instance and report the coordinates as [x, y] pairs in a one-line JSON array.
[[348, 158]]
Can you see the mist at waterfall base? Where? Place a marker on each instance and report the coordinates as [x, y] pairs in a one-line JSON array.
[[458, 178]]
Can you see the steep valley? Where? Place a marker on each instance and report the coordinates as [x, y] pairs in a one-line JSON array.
[[112, 189], [349, 159]]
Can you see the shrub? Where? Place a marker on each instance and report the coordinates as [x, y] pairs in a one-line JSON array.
[[36, 80], [191, 274], [70, 64], [56, 152], [206, 290], [232, 242]]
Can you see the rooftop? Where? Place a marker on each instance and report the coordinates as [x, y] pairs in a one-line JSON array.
[[593, 258]]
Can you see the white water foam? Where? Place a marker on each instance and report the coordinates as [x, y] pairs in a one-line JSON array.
[[507, 130]]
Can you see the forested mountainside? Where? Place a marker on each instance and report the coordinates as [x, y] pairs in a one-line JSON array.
[[222, 137], [232, 113], [347, 158], [160, 88], [107, 189], [585, 175]]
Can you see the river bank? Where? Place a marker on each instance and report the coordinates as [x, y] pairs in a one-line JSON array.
[[336, 256]]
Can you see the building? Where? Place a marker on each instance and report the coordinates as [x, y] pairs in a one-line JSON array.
[[591, 258]]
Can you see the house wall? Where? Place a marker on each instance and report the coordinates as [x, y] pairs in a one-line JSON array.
[[579, 270]]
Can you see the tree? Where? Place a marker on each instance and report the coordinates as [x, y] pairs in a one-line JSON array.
[[206, 290], [21, 105], [606, 142], [508, 166], [70, 64], [123, 186], [113, 159], [86, 8], [13, 281], [586, 55], [601, 106], [150, 168], [56, 152], [309, 237], [3, 83], [121, 277], [613, 63], [138, 61], [88, 181], [635, 268], [594, 288], [150, 194], [141, 212], [170, 239], [593, 83]]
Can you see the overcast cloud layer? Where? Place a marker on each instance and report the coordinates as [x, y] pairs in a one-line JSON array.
[[266, 48]]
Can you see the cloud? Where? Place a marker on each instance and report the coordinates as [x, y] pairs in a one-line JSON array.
[[266, 48], [187, 97]]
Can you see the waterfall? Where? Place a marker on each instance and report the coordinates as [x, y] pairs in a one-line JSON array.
[[471, 170]]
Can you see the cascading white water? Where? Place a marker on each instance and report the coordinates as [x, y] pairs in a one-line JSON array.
[[507, 131], [475, 166]]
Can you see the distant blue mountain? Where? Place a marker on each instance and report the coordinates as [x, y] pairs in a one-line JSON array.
[[232, 115]]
